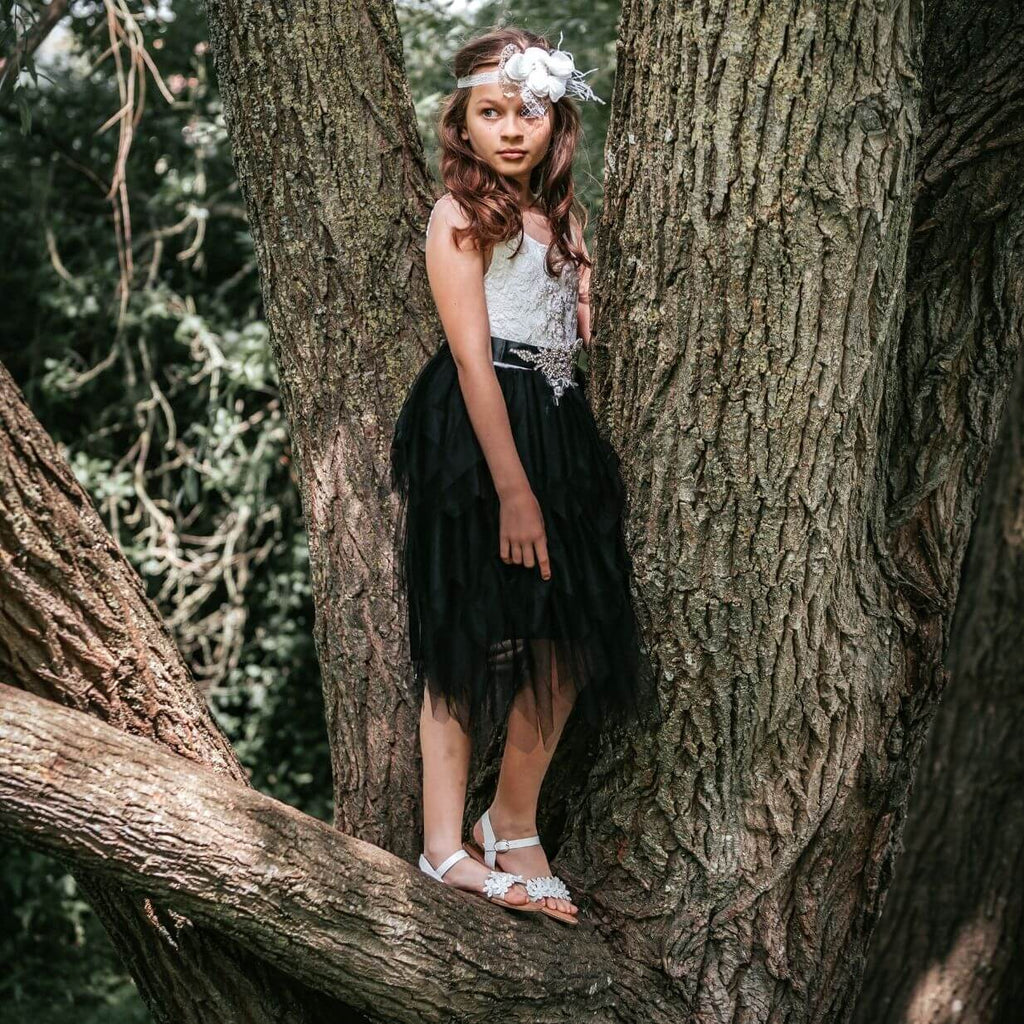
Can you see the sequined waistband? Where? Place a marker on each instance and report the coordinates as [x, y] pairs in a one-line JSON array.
[[502, 354], [556, 363]]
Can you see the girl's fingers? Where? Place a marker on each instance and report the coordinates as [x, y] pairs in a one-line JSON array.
[[543, 562], [527, 555]]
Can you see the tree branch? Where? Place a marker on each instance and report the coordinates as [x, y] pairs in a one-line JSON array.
[[10, 65], [332, 911], [76, 627]]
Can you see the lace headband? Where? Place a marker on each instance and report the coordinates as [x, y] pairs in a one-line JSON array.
[[539, 76]]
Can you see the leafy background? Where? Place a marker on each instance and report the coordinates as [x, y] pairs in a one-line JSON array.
[[155, 379]]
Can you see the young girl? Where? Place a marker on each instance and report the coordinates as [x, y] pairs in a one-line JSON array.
[[509, 542]]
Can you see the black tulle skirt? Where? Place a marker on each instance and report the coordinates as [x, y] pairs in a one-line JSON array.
[[481, 631]]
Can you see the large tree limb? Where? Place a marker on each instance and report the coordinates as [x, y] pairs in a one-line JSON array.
[[334, 912], [77, 628]]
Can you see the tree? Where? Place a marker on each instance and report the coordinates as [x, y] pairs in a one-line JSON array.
[[947, 946], [803, 462], [76, 629]]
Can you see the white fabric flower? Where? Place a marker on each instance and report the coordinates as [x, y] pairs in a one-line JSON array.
[[547, 885], [497, 883], [543, 73], [541, 76]]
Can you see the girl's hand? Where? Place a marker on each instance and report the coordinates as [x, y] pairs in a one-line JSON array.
[[522, 539]]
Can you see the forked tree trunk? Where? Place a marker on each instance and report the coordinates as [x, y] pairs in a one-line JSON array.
[[948, 945], [803, 467]]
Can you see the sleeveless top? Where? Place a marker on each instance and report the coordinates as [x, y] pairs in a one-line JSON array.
[[524, 302]]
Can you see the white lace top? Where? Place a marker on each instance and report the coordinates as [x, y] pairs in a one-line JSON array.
[[524, 302]]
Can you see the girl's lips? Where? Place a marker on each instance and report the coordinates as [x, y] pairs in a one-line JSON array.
[[511, 154]]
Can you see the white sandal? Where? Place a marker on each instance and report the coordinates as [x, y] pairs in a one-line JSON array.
[[495, 885], [539, 886]]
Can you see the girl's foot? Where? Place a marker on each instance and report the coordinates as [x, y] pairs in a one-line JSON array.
[[469, 874], [528, 861]]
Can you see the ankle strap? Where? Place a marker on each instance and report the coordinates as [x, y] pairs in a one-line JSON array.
[[501, 845], [449, 861], [492, 845]]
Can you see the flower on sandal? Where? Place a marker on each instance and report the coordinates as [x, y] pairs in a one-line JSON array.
[[547, 885], [497, 883]]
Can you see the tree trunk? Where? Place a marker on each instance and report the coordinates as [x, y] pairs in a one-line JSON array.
[[77, 628], [948, 948], [330, 163], [946, 943], [329, 160], [803, 472], [803, 476]]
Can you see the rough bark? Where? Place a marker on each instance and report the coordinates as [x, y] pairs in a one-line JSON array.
[[949, 943], [794, 461], [77, 628], [948, 938], [797, 520], [336, 912], [329, 160]]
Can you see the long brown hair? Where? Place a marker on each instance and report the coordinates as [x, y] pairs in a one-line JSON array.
[[488, 199]]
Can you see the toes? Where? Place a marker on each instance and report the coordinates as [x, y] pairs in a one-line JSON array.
[[517, 894], [565, 906]]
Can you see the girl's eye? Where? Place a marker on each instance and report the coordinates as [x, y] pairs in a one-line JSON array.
[[488, 110]]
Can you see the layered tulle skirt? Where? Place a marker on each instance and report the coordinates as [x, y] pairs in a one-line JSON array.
[[481, 631]]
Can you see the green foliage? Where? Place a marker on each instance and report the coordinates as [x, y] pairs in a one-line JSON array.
[[58, 964]]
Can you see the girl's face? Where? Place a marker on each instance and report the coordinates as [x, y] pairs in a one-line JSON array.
[[499, 134]]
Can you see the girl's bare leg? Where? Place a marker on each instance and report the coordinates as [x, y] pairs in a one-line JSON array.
[[524, 764], [446, 749]]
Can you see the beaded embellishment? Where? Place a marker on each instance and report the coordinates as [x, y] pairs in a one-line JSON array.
[[556, 362]]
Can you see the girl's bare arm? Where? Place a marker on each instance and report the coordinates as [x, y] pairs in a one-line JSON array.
[[457, 282]]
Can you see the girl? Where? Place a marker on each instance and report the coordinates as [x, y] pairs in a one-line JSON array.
[[509, 541]]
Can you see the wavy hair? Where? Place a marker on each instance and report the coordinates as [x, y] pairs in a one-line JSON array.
[[490, 202]]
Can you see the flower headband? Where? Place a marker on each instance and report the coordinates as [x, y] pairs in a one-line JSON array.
[[539, 76]]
